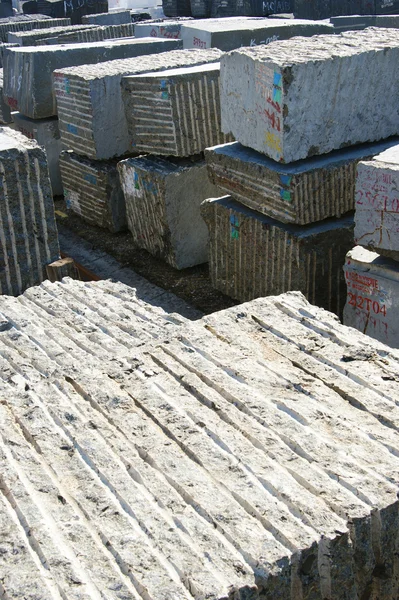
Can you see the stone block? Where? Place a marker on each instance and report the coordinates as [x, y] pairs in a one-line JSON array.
[[90, 105], [175, 112], [28, 24], [372, 303], [5, 111], [116, 17], [28, 233], [46, 133], [230, 33], [165, 29], [387, 7], [3, 46], [92, 190], [163, 200], [302, 192], [271, 96], [31, 38], [28, 71], [77, 9], [251, 255], [176, 8], [52, 8], [93, 34], [356, 22], [377, 203]]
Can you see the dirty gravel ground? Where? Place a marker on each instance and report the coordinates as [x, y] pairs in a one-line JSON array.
[[192, 285]]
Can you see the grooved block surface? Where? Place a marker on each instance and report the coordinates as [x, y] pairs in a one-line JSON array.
[[308, 96], [28, 233], [372, 304], [251, 454], [97, 34], [251, 255], [234, 32], [116, 17], [5, 111], [163, 200], [303, 192], [31, 92], [90, 105], [176, 112], [93, 191], [27, 25], [31, 38]]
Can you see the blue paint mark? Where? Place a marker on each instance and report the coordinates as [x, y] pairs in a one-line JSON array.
[[90, 178], [72, 128], [285, 195], [164, 83], [164, 95], [286, 179], [234, 227], [277, 79]]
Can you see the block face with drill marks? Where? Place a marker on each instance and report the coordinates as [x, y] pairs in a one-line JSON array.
[[33, 37], [163, 200], [377, 203], [221, 458], [26, 25], [176, 112], [90, 106], [251, 255], [28, 233], [28, 71], [307, 96], [302, 192]]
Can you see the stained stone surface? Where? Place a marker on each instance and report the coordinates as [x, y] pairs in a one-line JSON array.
[[93, 191], [302, 192], [5, 111], [233, 32], [33, 37], [372, 303], [175, 112], [150, 457], [116, 17], [251, 255], [28, 71], [279, 99], [89, 100], [28, 24], [28, 233], [165, 29], [377, 203], [163, 200]]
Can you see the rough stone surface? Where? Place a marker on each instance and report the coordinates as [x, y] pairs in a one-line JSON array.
[[147, 457], [302, 192], [47, 134], [93, 191], [166, 29], [116, 17], [5, 111], [251, 255], [27, 25], [355, 22], [163, 200], [97, 34], [227, 34], [307, 96], [372, 303], [28, 233], [377, 203], [28, 71], [90, 105], [3, 46], [175, 112], [31, 38]]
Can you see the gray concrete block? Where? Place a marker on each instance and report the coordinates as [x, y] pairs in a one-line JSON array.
[[279, 99], [377, 203], [165, 29], [96, 34], [28, 233], [47, 135], [27, 25], [227, 34], [31, 38], [163, 200], [116, 17], [5, 111], [90, 106], [175, 112], [93, 191], [302, 192], [372, 303], [251, 255], [356, 22], [28, 71]]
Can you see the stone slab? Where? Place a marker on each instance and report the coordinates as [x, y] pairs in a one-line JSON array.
[[267, 103], [92, 34], [356, 22], [303, 192], [116, 17], [47, 134], [93, 191], [251, 255], [28, 233], [31, 38], [377, 203], [175, 112], [230, 33], [163, 200], [33, 96], [90, 106], [28, 24], [5, 111], [166, 29], [221, 456], [176, 8], [372, 304]]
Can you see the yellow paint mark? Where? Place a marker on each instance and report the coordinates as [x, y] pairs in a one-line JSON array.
[[273, 142], [61, 214]]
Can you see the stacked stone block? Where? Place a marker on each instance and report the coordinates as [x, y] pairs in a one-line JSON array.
[[117, 17], [165, 29], [95, 34], [28, 233], [35, 36], [5, 111], [28, 25]]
